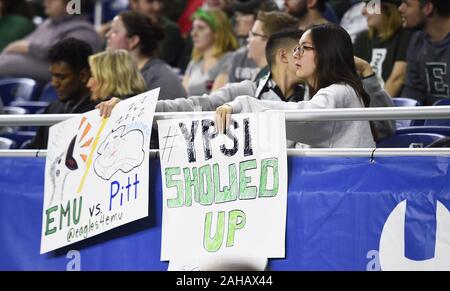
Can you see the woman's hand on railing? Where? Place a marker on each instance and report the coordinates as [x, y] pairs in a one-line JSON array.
[[223, 117], [106, 107]]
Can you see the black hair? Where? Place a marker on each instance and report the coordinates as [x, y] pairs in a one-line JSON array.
[[150, 34], [279, 39], [442, 7], [72, 51], [334, 59]]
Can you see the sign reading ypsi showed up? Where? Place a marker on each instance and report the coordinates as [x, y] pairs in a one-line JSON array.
[[224, 195]]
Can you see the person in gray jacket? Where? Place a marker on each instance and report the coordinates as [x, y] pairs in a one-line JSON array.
[[331, 75], [28, 57], [291, 89]]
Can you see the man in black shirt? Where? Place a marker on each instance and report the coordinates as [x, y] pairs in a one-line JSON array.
[[70, 72]]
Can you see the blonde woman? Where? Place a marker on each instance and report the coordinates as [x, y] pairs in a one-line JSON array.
[[213, 42], [114, 74], [384, 45]]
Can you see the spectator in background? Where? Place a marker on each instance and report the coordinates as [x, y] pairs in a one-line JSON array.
[[213, 42], [70, 73], [353, 21], [15, 21], [281, 84], [27, 57], [114, 74], [428, 56], [171, 48], [267, 23], [324, 59], [309, 12], [138, 35], [241, 67], [384, 45]]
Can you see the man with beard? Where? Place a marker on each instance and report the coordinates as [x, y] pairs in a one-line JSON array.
[[308, 12], [428, 56]]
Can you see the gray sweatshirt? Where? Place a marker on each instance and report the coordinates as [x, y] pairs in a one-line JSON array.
[[428, 70], [34, 64], [318, 134]]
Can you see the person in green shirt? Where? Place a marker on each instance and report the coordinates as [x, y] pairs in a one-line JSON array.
[[15, 21], [385, 44]]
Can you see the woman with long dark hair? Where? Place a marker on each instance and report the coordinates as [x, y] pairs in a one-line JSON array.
[[324, 60]]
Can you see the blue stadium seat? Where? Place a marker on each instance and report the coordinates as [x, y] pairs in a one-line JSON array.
[[14, 110], [19, 137], [439, 122], [32, 107], [406, 102], [442, 102], [48, 93], [444, 130], [6, 143], [110, 8], [113, 7], [17, 89], [409, 140]]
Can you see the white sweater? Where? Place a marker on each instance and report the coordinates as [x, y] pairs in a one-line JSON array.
[[318, 134]]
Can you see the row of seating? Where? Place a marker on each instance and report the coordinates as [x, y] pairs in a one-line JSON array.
[[409, 102], [26, 92]]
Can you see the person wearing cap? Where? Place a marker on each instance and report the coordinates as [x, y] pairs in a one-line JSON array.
[[428, 56], [385, 44]]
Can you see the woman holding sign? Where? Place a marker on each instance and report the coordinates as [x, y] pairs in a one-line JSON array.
[[324, 59]]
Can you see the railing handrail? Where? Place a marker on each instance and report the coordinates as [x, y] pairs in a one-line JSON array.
[[372, 113], [336, 152]]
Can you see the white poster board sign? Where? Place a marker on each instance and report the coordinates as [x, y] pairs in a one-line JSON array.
[[224, 196], [96, 172]]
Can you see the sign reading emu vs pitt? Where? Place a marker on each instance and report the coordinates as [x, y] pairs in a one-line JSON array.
[[224, 195], [96, 172]]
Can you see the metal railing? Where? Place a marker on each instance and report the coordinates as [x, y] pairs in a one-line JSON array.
[[374, 113]]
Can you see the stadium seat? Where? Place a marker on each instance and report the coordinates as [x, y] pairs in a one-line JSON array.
[[19, 137], [113, 7], [409, 140], [406, 102], [444, 130], [442, 102], [110, 8], [17, 89], [13, 110], [6, 143], [439, 122], [32, 107]]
